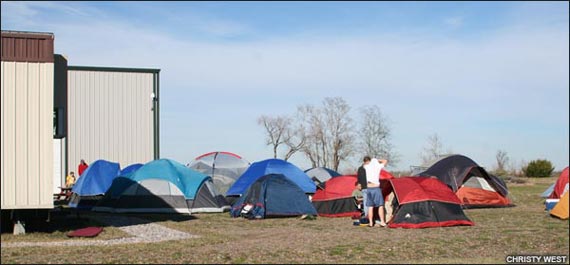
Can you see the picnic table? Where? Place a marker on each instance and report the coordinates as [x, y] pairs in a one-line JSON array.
[[65, 193]]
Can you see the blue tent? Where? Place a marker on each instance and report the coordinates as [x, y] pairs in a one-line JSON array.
[[548, 191], [93, 183], [97, 178], [271, 166], [163, 186], [130, 169], [273, 195]]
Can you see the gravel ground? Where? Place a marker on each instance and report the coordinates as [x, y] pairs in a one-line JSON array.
[[142, 230]]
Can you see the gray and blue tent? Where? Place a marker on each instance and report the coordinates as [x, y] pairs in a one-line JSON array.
[[224, 168], [272, 195], [163, 186], [320, 175], [93, 183]]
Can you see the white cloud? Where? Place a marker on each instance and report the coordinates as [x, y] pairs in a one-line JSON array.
[[453, 22]]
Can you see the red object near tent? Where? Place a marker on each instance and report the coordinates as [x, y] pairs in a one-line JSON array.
[[560, 185], [425, 202], [86, 232], [336, 199]]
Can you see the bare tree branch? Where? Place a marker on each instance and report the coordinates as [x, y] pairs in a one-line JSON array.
[[275, 128], [433, 151], [375, 134]]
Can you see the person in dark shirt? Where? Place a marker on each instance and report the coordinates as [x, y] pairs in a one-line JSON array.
[[361, 175]]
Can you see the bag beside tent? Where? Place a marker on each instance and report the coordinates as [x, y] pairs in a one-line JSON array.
[[422, 202], [272, 195]]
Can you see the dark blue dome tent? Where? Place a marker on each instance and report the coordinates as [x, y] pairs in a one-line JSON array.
[[271, 166], [272, 195]]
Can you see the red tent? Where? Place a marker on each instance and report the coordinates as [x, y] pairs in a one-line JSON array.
[[385, 178], [425, 202], [336, 199], [560, 186]]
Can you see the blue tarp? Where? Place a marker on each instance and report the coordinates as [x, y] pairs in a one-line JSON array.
[[130, 169], [97, 178], [548, 191], [186, 179], [271, 166]]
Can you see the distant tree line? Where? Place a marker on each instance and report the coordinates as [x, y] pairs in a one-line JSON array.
[[328, 135]]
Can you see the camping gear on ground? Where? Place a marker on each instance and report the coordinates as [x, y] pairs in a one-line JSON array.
[[272, 195], [560, 210], [271, 166], [92, 231], [93, 183], [224, 168], [320, 175], [336, 199], [421, 202], [550, 203], [474, 187], [163, 186]]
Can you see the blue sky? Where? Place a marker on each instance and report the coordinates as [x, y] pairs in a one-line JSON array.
[[484, 76]]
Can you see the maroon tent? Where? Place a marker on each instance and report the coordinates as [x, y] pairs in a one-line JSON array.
[[422, 202], [336, 199]]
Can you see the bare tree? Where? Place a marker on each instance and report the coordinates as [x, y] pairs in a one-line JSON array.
[[502, 162], [295, 138], [375, 134], [309, 118], [433, 151], [328, 135], [276, 129], [338, 127]]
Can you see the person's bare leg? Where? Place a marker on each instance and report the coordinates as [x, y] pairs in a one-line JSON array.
[[370, 216], [381, 214]]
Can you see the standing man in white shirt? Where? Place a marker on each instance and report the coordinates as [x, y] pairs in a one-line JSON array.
[[373, 192]]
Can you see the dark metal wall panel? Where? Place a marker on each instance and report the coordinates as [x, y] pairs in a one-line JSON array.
[[27, 46]]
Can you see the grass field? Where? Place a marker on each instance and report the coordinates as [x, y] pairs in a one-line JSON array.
[[524, 229]]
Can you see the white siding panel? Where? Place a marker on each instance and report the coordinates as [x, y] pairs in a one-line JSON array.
[[8, 128], [2, 119], [113, 118], [22, 134], [46, 133], [33, 140], [27, 126]]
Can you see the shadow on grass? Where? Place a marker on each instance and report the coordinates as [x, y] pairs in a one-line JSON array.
[[65, 219]]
